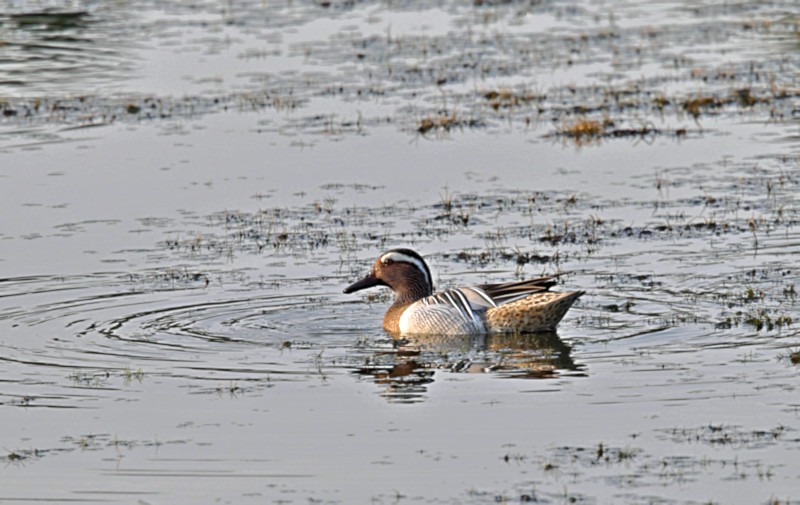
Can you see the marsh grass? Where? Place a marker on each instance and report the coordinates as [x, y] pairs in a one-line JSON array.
[[508, 98], [443, 122]]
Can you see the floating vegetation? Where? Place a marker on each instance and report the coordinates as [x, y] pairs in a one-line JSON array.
[[232, 291], [725, 435], [20, 456], [444, 122], [638, 467], [431, 68], [575, 224], [480, 258], [694, 106], [743, 97], [131, 375], [90, 379], [506, 98], [792, 355], [173, 278], [584, 131], [92, 110], [758, 319]]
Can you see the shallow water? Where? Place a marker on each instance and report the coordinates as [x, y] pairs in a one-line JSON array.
[[183, 209]]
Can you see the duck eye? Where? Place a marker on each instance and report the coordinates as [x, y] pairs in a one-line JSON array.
[[387, 262]]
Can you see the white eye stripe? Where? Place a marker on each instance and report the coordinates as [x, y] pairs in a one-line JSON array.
[[398, 256]]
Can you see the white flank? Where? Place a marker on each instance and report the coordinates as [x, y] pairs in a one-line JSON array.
[[398, 256]]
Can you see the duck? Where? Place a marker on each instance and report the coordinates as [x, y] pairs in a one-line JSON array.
[[526, 306]]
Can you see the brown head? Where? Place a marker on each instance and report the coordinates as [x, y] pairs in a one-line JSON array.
[[402, 270]]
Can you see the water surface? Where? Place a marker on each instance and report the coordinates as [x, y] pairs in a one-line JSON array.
[[188, 187]]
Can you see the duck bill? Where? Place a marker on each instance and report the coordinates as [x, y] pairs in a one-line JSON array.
[[367, 282]]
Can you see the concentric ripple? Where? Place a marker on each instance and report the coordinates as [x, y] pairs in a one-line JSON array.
[[95, 327]]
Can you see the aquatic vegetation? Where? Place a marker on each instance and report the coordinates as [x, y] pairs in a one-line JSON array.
[[585, 129], [694, 105], [20, 456], [256, 156], [446, 76], [129, 375], [761, 319], [505, 98], [444, 122], [725, 435]]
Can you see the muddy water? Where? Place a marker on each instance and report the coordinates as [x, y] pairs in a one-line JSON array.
[[187, 188]]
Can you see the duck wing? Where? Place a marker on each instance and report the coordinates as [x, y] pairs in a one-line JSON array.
[[470, 302], [467, 302], [507, 292]]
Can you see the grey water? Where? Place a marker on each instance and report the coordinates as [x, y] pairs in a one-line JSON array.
[[188, 186]]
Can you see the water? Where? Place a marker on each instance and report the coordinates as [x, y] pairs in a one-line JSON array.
[[188, 187]]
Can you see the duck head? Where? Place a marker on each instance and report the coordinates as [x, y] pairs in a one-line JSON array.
[[403, 271]]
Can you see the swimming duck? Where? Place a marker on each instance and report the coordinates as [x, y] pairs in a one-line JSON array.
[[523, 306]]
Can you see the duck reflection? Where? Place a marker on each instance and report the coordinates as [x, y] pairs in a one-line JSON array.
[[406, 371]]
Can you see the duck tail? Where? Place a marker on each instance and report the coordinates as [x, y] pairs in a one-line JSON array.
[[538, 312]]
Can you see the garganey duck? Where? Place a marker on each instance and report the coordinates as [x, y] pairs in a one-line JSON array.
[[524, 306]]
